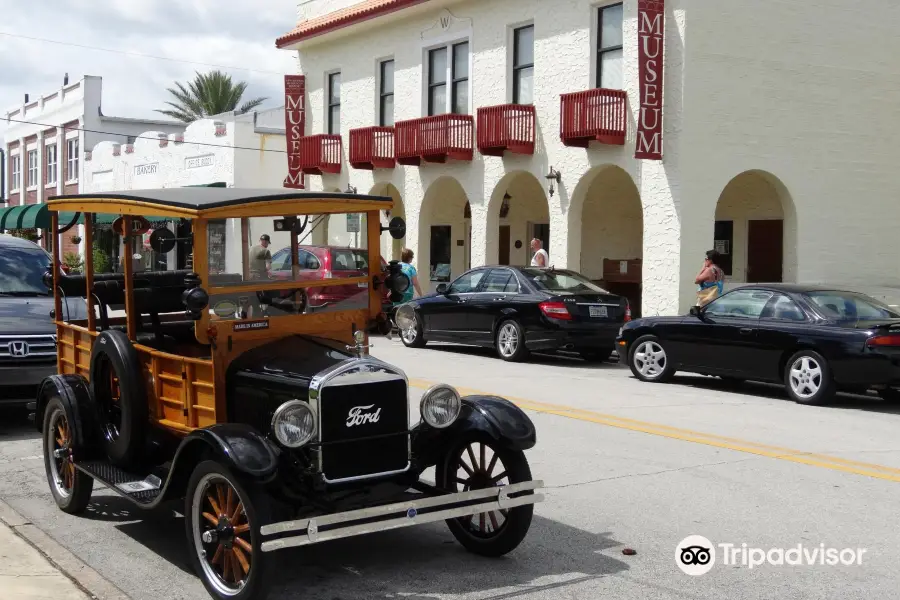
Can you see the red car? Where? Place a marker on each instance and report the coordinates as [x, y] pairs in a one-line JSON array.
[[327, 262]]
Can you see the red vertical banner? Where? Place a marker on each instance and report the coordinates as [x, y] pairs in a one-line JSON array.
[[295, 127], [651, 41]]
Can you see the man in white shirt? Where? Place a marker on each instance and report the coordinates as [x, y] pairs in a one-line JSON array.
[[540, 258]]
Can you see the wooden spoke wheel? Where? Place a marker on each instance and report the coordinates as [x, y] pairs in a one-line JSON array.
[[223, 519], [70, 487], [479, 464]]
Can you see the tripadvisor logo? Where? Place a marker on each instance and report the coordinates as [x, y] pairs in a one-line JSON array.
[[696, 555]]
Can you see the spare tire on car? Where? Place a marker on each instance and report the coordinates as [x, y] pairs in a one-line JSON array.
[[119, 396]]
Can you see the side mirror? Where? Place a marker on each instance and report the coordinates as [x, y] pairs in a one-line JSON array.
[[442, 288], [397, 227]]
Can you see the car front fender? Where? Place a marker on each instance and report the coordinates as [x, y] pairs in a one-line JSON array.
[[491, 416]]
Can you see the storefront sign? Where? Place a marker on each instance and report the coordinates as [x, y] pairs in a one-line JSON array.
[[651, 39], [295, 126], [195, 162], [149, 169]]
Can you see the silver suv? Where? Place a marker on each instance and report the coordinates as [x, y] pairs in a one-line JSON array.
[[27, 331]]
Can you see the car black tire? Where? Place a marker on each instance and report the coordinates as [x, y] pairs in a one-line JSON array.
[[655, 369], [70, 487], [517, 520], [808, 380], [413, 337], [242, 545], [123, 422], [595, 356], [509, 341]]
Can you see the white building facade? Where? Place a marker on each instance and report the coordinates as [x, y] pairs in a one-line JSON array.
[[228, 150], [48, 138], [513, 119]]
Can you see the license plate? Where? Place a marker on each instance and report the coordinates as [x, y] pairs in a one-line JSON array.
[[598, 311], [362, 285]]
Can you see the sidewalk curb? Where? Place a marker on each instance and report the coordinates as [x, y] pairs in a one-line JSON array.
[[84, 577]]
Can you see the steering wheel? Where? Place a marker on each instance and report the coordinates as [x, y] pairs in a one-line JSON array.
[[291, 301]]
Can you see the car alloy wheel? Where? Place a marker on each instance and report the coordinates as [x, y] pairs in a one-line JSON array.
[[650, 359], [410, 332], [508, 339], [806, 377], [222, 534]]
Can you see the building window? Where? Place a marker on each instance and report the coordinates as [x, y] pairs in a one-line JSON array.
[[609, 47], [72, 159], [523, 65], [16, 179], [334, 103], [32, 180], [386, 94], [456, 71], [52, 164]]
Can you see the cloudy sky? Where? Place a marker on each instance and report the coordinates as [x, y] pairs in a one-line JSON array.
[[235, 34]]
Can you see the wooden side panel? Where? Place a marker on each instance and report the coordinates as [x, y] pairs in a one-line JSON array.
[[73, 350], [179, 390]]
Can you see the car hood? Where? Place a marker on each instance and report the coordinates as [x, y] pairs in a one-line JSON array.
[[31, 315]]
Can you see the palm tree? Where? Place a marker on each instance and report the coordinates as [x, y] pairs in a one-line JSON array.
[[208, 94]]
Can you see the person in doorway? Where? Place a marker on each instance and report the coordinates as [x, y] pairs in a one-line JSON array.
[[711, 279], [261, 258], [540, 258], [406, 258]]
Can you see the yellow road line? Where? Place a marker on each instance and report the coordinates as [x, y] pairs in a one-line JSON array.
[[777, 452]]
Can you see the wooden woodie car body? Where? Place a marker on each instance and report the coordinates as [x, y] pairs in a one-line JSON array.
[[268, 419]]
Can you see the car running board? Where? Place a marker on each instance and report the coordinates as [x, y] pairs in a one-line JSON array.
[[400, 514], [143, 490]]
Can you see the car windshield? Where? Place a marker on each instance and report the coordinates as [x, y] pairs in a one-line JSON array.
[[349, 259], [561, 281], [22, 271], [850, 305]]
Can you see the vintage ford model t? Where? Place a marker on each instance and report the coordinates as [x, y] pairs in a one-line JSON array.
[[218, 385]]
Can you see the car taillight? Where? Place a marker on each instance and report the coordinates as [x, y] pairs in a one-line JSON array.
[[555, 310], [627, 311], [884, 340]]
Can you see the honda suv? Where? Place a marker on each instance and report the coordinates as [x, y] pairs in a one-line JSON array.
[[27, 329]]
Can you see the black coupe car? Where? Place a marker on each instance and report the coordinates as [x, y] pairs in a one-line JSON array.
[[517, 310], [814, 340]]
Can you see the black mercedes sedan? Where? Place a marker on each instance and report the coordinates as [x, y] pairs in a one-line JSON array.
[[813, 340], [517, 310]]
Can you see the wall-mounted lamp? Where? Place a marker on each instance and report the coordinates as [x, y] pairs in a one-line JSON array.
[[553, 174], [350, 189], [504, 206]]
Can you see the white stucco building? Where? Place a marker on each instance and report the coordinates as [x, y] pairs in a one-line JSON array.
[[778, 126], [227, 150], [47, 139]]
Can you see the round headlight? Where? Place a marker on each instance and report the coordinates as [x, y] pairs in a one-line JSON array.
[[440, 406], [294, 424]]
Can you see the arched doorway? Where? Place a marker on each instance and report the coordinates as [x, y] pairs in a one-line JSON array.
[[517, 212], [390, 248], [755, 229], [606, 210], [445, 233]]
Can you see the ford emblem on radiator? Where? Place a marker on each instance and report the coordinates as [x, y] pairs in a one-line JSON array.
[[357, 415]]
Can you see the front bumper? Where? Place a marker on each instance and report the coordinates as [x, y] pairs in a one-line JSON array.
[[416, 511], [19, 384]]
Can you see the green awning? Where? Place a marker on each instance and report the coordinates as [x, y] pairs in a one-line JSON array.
[[9, 217]]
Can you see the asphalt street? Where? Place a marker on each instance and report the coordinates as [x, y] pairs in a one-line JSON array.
[[625, 464]]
